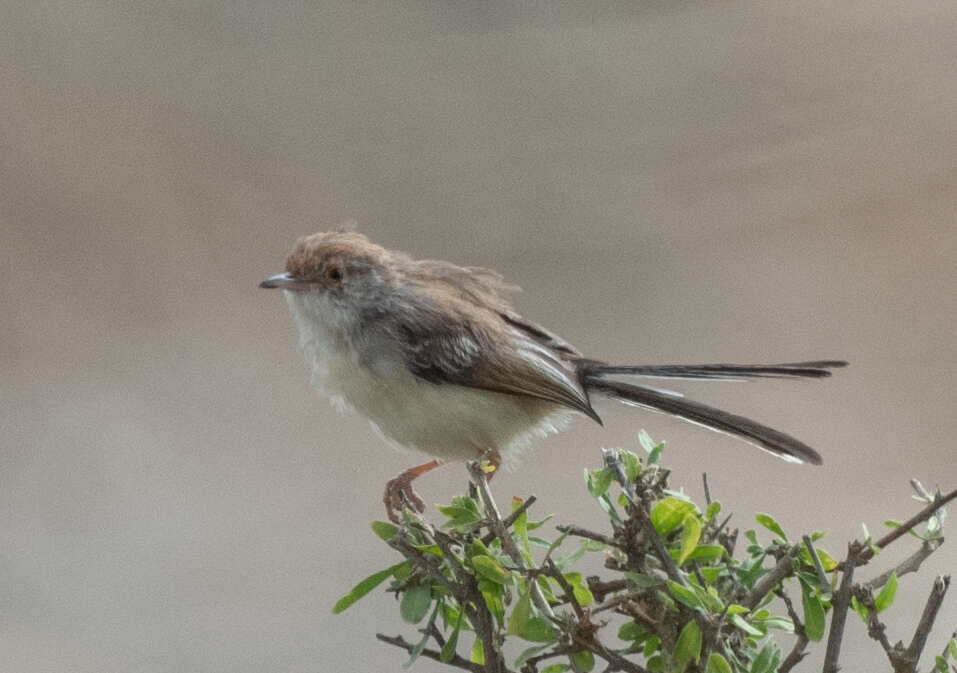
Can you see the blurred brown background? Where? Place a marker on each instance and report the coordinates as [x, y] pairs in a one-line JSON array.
[[669, 181]]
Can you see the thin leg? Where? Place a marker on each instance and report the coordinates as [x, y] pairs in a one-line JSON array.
[[399, 491]]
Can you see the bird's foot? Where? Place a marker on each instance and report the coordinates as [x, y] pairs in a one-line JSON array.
[[398, 494]]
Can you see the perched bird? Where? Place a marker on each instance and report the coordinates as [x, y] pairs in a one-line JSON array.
[[433, 355]]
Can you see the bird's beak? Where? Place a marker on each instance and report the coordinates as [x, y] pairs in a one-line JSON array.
[[286, 281]]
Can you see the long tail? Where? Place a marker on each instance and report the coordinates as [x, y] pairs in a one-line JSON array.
[[788, 370], [782, 445]]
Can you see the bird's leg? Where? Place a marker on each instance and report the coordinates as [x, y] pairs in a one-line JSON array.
[[399, 491]]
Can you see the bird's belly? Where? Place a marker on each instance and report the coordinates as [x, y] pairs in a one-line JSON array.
[[444, 420]]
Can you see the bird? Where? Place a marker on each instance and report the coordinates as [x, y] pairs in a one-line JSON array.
[[439, 361]]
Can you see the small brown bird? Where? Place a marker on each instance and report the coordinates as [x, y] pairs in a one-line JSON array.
[[438, 361]]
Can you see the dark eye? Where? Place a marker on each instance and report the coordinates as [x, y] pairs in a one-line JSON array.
[[334, 274]]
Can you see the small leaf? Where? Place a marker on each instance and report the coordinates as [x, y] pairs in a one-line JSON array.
[[477, 655], [491, 569], [415, 603], [384, 529], [952, 648], [539, 630], [765, 660], [668, 513], [690, 534], [739, 622], [583, 661], [426, 634], [519, 617], [641, 580], [529, 653], [647, 443], [601, 480], [684, 595], [632, 466], [813, 614], [713, 508], [631, 631], [707, 552], [886, 595], [768, 522], [448, 650], [717, 664], [365, 586], [688, 646], [555, 668]]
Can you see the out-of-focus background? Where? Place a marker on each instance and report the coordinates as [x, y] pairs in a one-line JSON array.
[[669, 181]]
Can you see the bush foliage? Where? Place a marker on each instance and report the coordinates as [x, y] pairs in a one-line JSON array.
[[682, 592]]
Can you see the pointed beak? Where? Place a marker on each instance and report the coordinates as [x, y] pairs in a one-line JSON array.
[[285, 281]]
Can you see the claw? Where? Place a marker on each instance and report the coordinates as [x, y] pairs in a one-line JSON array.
[[398, 494]]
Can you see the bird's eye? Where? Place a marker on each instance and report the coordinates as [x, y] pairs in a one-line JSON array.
[[334, 274]]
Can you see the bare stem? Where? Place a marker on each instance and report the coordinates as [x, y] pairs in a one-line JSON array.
[[842, 600]]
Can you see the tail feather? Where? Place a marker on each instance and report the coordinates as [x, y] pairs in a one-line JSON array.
[[788, 370], [776, 442]]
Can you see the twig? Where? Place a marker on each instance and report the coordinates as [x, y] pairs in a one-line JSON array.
[[797, 652], [821, 576], [577, 531], [926, 623], [938, 502], [612, 459], [909, 565], [480, 479], [769, 580], [707, 491], [842, 600], [552, 571], [511, 518], [616, 660], [456, 660]]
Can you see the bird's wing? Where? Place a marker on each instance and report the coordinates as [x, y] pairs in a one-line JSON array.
[[449, 339]]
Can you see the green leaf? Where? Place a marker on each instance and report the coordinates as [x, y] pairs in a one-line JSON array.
[[582, 594], [632, 465], [669, 512], [600, 481], [477, 655], [779, 623], [713, 508], [717, 664], [952, 648], [690, 534], [764, 661], [685, 595], [583, 661], [448, 650], [631, 631], [647, 443], [384, 529], [688, 646], [739, 622], [365, 586], [707, 552], [529, 653], [415, 603], [813, 614], [518, 620], [768, 522], [641, 580], [491, 569], [556, 668], [940, 664], [492, 595], [539, 630], [427, 633], [886, 595]]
